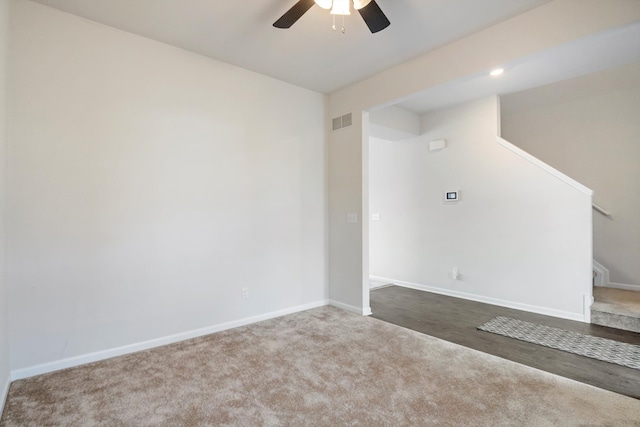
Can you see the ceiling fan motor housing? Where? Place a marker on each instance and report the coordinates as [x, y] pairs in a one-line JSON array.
[[369, 10]]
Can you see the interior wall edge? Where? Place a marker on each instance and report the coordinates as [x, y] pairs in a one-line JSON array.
[[3, 394], [5, 376]]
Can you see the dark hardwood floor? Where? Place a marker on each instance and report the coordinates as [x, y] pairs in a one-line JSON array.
[[455, 320]]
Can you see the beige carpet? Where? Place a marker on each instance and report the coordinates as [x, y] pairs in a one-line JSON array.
[[323, 367]]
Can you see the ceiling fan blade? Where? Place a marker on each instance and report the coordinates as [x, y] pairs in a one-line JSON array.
[[293, 14], [374, 17]]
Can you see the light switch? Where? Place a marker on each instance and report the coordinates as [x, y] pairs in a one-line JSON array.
[[352, 217], [375, 217], [437, 145]]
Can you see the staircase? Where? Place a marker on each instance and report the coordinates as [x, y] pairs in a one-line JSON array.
[[616, 308]]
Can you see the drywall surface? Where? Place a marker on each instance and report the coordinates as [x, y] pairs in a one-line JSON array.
[[552, 24], [4, 337], [148, 186], [393, 123], [588, 128], [563, 21], [517, 234], [345, 179]]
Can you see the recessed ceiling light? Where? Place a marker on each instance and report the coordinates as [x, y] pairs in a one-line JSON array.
[[496, 72]]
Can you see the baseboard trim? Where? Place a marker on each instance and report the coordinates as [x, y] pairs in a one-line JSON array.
[[602, 274], [352, 308], [580, 317], [380, 286], [4, 394], [603, 279], [70, 362], [624, 286]]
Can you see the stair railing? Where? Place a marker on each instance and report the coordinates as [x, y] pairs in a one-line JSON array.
[[601, 210]]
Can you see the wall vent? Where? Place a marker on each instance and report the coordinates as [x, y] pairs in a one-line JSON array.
[[341, 121], [346, 120], [336, 123]]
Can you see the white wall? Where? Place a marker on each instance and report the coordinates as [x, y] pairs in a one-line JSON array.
[[562, 20], [588, 128], [147, 186], [393, 123], [518, 235], [4, 340]]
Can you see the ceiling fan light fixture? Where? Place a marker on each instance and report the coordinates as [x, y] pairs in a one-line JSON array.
[[368, 10], [325, 4], [341, 7], [359, 4]]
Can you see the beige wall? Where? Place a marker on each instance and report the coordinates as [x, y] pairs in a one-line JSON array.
[[552, 24], [4, 342], [589, 128], [147, 186]]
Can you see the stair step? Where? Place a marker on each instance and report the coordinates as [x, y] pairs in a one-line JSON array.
[[616, 308], [617, 321]]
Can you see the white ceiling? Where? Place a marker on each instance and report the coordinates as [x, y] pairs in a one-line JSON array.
[[309, 54], [606, 50]]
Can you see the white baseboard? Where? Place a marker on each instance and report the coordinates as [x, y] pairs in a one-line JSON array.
[[602, 274], [623, 286], [386, 285], [375, 284], [602, 279], [3, 394], [352, 308], [587, 302], [57, 365], [580, 317]]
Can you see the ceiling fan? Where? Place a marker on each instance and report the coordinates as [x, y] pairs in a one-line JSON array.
[[368, 9]]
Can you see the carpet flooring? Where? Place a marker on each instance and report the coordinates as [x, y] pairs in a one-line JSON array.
[[611, 351], [322, 367]]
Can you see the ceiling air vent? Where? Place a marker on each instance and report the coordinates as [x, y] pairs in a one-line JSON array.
[[341, 122]]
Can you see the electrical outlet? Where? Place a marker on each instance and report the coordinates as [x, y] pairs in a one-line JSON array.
[[245, 293]]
